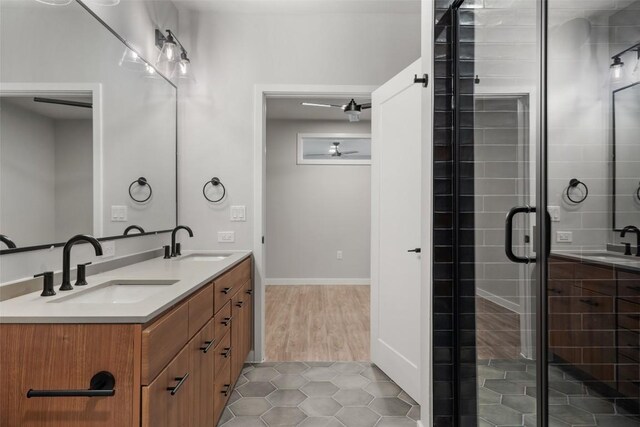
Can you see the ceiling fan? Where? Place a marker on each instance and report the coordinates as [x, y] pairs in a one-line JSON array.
[[351, 109], [334, 151]]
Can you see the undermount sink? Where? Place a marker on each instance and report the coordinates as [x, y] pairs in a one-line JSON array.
[[118, 292], [205, 257], [607, 256]]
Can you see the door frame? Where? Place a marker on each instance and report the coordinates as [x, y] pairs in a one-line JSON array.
[[261, 93]]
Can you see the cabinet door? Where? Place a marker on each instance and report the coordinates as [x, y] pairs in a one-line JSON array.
[[202, 369], [237, 332], [222, 389], [248, 320], [166, 401]]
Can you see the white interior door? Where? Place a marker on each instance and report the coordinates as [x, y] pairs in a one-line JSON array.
[[396, 214]]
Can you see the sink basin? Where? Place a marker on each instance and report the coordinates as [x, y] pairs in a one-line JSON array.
[[118, 292], [205, 257]]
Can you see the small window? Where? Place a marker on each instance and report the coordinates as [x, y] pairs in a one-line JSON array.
[[334, 149]]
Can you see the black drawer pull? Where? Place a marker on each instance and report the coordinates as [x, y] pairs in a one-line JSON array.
[[181, 381], [634, 288], [589, 302], [226, 290], [101, 385], [226, 321], [249, 291], [226, 389], [226, 352], [207, 346], [634, 316], [636, 346], [555, 291], [240, 304]]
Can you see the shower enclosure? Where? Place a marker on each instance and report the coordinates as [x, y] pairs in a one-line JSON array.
[[536, 165]]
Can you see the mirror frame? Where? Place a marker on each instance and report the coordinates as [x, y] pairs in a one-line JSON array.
[[96, 90], [613, 148]]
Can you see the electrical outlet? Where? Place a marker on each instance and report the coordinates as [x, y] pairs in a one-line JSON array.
[[554, 213], [339, 255], [108, 249], [226, 236], [238, 213], [564, 237], [118, 213]]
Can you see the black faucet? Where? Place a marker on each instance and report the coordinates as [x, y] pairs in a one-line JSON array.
[[174, 252], [66, 257], [633, 229], [7, 241], [132, 227]]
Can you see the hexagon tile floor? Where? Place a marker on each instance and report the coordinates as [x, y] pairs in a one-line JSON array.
[[318, 394]]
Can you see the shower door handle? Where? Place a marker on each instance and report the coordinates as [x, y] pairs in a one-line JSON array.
[[508, 234]]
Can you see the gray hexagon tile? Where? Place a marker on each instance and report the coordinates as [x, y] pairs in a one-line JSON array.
[[283, 417], [373, 373], [390, 406], [396, 422], [257, 389], [319, 389], [357, 417], [261, 374], [320, 406], [320, 373], [347, 367], [383, 389], [289, 381], [245, 422], [250, 406], [321, 422], [357, 397], [350, 381], [286, 397], [291, 367]]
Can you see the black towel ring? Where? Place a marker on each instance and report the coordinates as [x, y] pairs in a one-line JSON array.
[[638, 192], [574, 183], [215, 182], [142, 182]]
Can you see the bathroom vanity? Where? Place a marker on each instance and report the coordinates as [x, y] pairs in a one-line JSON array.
[[594, 321], [158, 343]]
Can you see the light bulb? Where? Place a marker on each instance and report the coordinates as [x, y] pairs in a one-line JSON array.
[[184, 66], [636, 71], [169, 50], [55, 2], [616, 69]]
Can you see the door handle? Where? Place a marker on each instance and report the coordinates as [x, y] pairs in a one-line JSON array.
[[508, 234], [416, 250]]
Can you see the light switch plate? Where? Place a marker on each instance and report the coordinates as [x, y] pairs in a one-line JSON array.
[[238, 213], [226, 236], [118, 213], [339, 255], [554, 213], [564, 236]]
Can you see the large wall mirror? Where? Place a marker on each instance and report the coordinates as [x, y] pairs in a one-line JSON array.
[[87, 130], [626, 132]]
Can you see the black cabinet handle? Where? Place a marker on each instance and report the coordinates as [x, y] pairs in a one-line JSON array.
[[416, 250], [240, 304], [226, 352], [226, 290], [634, 316], [226, 321], [589, 302], [226, 390], [249, 291], [207, 346], [181, 381], [634, 288], [102, 385], [555, 291]]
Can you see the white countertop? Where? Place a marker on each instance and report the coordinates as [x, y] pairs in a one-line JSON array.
[[189, 276], [604, 258]]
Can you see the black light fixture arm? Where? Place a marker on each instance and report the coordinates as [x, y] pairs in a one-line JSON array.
[[635, 47], [172, 34]]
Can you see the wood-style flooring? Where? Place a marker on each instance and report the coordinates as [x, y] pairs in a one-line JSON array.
[[317, 323], [497, 331]]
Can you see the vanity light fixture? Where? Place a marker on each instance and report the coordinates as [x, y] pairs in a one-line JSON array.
[[173, 56], [617, 66]]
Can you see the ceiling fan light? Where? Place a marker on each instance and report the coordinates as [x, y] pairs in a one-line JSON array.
[[55, 2], [354, 116]]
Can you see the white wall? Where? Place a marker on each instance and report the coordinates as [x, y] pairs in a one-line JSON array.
[[73, 178], [313, 211], [27, 167], [233, 52]]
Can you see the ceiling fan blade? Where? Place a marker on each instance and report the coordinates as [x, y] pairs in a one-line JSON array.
[[349, 152], [365, 106], [313, 104], [317, 155]]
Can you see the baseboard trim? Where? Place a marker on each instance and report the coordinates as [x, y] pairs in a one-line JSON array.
[[504, 303], [420, 424], [365, 281]]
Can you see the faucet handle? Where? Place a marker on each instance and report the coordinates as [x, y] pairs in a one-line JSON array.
[[627, 248], [82, 274], [47, 283]]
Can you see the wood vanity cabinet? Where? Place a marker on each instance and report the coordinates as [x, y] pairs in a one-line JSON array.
[[176, 371], [594, 324]]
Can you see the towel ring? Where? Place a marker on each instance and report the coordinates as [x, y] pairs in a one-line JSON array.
[[142, 182], [214, 182], [575, 183], [638, 192]]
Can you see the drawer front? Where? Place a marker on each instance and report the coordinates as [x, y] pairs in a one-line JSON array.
[[222, 321], [222, 352], [629, 286], [592, 302], [561, 269], [166, 400], [629, 344], [629, 315], [222, 391], [628, 377], [596, 279], [200, 309], [162, 340], [202, 368], [230, 283]]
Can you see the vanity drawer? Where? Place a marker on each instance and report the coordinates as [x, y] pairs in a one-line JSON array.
[[222, 390], [628, 377], [162, 340], [222, 321], [629, 344], [230, 283], [561, 269], [592, 302], [596, 279], [629, 285], [628, 315], [200, 309], [222, 352]]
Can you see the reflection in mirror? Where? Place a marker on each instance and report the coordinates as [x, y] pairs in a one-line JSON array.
[[75, 177], [627, 156], [46, 162]]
